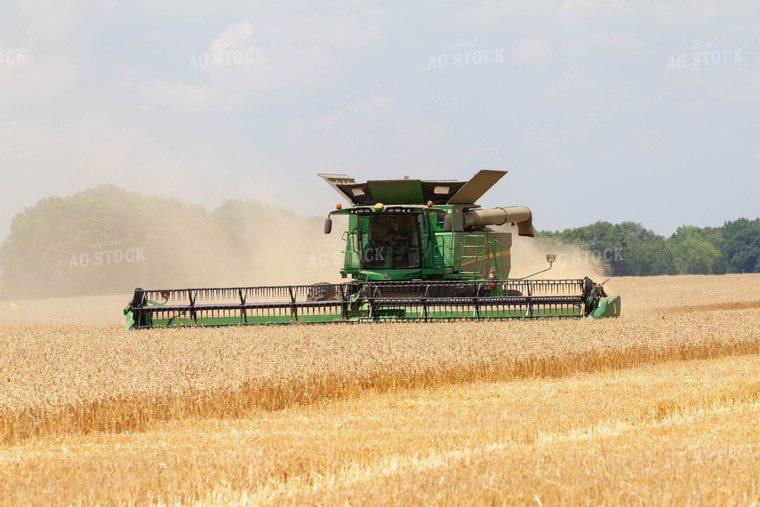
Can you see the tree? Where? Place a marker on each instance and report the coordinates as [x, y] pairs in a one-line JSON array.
[[697, 251], [741, 247], [644, 252]]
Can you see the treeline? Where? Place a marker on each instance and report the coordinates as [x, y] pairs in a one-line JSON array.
[[631, 250]]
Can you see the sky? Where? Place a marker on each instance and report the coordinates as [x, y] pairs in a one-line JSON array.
[[599, 110]]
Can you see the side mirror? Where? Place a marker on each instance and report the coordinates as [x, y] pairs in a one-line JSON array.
[[328, 225], [447, 223]]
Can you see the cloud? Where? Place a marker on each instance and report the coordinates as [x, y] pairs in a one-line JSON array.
[[419, 132], [601, 45], [233, 36], [240, 67], [595, 93], [174, 95], [665, 11], [590, 6], [50, 23], [579, 14], [532, 50], [368, 119], [558, 152], [335, 28], [376, 134], [649, 140], [31, 77], [156, 34], [731, 82]]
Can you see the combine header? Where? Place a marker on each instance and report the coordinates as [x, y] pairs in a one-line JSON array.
[[415, 251]]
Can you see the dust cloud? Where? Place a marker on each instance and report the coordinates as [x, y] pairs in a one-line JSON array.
[[106, 241], [170, 246], [529, 256]]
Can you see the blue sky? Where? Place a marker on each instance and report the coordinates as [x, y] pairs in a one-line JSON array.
[[599, 110]]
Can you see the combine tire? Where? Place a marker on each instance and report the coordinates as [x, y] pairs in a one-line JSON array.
[[321, 292]]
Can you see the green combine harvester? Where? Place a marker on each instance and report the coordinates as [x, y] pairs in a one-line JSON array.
[[415, 250]]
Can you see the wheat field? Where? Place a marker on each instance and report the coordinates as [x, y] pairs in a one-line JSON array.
[[658, 406]]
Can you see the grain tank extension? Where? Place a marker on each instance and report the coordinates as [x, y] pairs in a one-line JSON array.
[[416, 250]]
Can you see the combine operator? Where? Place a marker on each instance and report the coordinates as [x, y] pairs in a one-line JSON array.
[[393, 239], [400, 239]]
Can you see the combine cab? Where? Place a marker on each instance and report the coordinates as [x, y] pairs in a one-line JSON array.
[[414, 251]]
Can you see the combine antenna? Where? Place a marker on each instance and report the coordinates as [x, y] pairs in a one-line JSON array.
[[550, 258]]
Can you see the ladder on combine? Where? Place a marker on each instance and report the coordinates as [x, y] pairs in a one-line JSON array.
[[497, 260], [471, 256]]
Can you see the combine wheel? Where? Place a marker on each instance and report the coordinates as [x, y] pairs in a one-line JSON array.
[[321, 292]]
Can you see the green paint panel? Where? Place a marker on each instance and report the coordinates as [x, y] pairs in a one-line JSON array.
[[396, 191], [362, 314], [606, 307]]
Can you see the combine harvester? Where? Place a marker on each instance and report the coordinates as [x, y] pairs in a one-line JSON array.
[[415, 251]]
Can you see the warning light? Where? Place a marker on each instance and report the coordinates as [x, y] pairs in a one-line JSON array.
[[338, 206], [430, 203]]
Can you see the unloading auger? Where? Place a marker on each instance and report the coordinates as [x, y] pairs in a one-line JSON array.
[[416, 250]]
